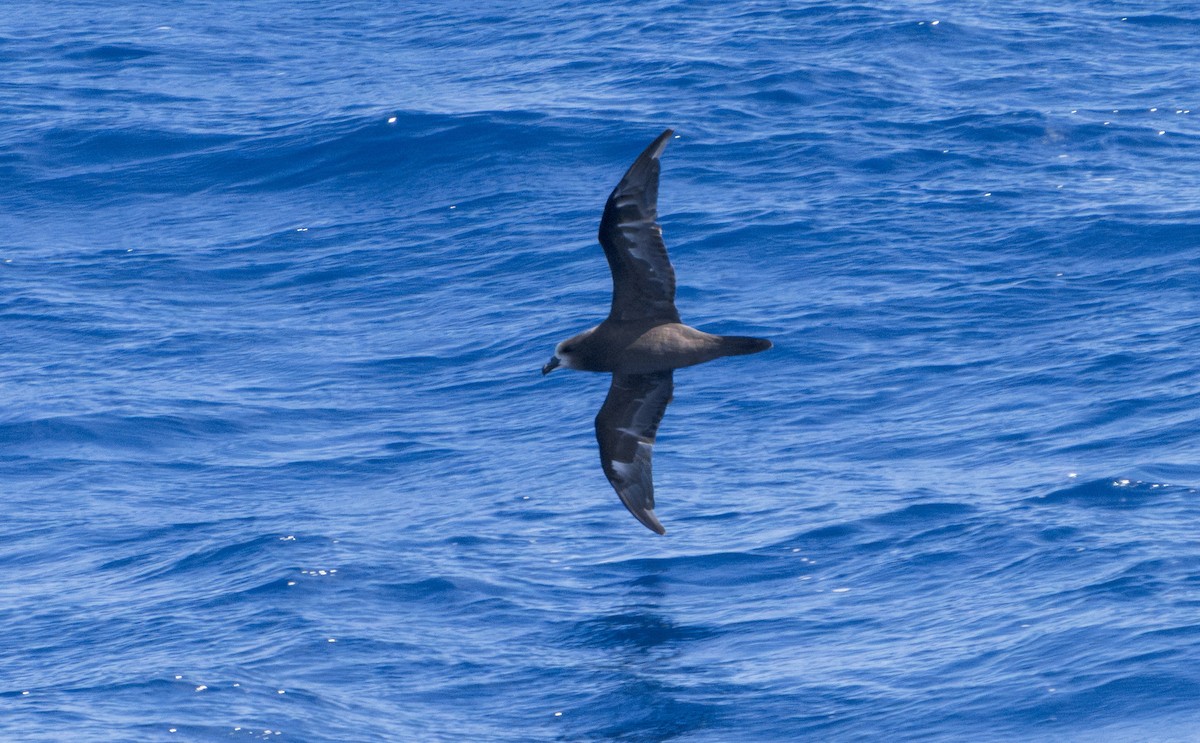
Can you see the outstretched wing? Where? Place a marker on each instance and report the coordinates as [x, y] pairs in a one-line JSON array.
[[643, 279], [625, 429]]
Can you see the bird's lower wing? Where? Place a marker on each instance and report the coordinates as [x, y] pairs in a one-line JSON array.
[[625, 428]]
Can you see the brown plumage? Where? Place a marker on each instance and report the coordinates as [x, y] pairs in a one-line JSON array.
[[642, 341]]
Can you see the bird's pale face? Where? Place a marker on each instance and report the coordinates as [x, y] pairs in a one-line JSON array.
[[565, 353]]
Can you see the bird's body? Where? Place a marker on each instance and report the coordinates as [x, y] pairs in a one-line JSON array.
[[646, 346], [642, 341]]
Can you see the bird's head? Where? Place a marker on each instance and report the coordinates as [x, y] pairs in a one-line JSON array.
[[567, 353]]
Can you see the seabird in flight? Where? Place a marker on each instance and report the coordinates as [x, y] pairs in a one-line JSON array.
[[642, 341]]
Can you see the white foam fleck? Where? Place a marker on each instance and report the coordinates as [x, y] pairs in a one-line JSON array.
[[392, 120], [201, 687], [840, 590]]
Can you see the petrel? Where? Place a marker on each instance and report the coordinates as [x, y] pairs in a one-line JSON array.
[[642, 341]]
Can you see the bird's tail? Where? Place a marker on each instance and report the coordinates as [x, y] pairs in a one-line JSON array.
[[740, 345]]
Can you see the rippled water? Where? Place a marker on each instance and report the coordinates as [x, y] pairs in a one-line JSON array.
[[276, 281]]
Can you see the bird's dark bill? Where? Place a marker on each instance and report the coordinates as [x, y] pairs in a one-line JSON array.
[[550, 366]]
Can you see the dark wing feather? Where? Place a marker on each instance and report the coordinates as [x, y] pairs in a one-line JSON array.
[[643, 279], [625, 428]]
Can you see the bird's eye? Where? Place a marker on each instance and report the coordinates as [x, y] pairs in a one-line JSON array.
[[567, 349]]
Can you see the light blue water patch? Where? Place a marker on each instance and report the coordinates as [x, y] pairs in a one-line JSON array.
[[276, 282]]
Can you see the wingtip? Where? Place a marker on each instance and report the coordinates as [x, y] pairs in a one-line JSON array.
[[660, 143], [650, 521]]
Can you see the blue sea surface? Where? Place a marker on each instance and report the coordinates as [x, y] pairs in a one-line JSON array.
[[276, 281]]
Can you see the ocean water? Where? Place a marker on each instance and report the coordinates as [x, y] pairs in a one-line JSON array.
[[276, 281]]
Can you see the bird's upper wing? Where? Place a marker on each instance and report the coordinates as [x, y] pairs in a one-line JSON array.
[[625, 429], [643, 279]]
